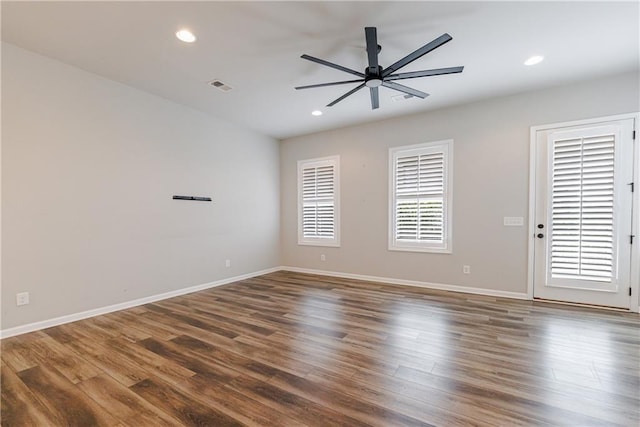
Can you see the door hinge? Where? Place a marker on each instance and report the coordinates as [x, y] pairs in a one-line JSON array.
[[632, 186], [634, 134], [629, 291], [631, 238]]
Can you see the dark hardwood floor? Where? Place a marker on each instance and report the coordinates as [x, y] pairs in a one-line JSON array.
[[289, 349]]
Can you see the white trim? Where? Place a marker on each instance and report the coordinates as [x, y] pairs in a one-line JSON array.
[[415, 283], [445, 146], [36, 326], [318, 162], [1, 240], [635, 226], [635, 258], [591, 121], [330, 243], [417, 248], [43, 324], [532, 211]]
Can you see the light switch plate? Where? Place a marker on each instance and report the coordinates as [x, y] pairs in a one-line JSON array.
[[513, 221]]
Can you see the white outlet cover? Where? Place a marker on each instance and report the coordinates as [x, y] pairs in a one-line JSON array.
[[22, 298]]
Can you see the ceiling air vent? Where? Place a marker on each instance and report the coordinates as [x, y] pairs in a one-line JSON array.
[[220, 85], [404, 97]]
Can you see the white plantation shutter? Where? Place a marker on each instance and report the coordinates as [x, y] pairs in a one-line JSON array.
[[582, 202], [419, 197], [318, 204], [317, 201], [419, 193]]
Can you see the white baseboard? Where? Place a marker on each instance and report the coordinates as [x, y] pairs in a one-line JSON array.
[[427, 285], [36, 326]]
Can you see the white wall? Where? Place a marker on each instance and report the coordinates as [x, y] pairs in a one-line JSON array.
[[490, 181], [89, 167]]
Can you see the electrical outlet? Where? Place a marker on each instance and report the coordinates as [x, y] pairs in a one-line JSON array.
[[323, 257], [466, 269], [227, 263], [22, 298]]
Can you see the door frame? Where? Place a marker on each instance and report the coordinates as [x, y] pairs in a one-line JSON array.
[[635, 226]]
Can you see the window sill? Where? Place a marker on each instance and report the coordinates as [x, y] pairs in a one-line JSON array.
[[445, 251], [332, 244]]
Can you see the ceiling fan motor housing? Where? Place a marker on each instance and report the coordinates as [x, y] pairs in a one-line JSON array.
[[373, 79]]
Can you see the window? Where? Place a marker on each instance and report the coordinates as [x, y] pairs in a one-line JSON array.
[[319, 202], [420, 197]]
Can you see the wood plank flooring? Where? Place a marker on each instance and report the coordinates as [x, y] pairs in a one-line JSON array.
[[289, 349]]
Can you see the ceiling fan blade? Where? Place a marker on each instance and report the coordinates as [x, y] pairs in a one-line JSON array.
[[351, 92], [404, 89], [425, 73], [375, 99], [372, 48], [332, 65], [417, 54], [328, 84]]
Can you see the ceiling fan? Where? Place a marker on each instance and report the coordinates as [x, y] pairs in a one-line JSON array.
[[375, 76]]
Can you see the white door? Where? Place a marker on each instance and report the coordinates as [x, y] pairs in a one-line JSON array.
[[583, 213]]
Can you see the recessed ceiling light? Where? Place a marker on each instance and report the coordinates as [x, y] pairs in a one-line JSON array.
[[536, 59], [186, 36], [316, 113]]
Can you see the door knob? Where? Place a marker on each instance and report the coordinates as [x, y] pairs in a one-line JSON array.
[[540, 236], [540, 225]]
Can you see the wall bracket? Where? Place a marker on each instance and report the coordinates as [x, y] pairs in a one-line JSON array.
[[198, 199]]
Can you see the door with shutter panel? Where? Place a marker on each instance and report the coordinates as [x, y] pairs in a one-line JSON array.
[[583, 218]]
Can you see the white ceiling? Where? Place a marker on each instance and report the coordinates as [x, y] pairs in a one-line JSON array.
[[255, 47]]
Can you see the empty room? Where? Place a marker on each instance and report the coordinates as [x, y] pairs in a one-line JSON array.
[[320, 213]]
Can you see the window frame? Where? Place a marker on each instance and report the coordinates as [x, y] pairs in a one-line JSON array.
[[445, 147], [315, 163]]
